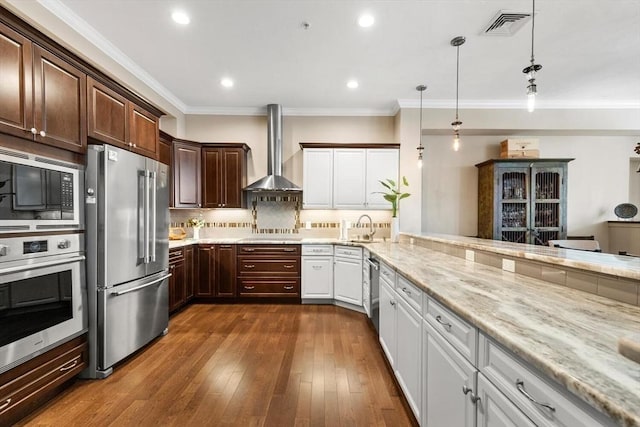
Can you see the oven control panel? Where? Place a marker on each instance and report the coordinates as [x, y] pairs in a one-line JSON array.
[[20, 248]]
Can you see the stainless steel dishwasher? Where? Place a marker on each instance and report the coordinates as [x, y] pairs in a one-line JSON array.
[[374, 291]]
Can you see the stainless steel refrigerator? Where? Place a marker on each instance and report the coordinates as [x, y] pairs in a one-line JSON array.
[[127, 222]]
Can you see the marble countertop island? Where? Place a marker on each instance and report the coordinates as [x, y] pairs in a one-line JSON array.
[[569, 335]]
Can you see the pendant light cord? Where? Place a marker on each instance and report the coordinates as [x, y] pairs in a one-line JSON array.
[[420, 119], [533, 27], [457, 77]]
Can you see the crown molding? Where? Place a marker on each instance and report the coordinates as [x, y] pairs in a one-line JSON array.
[[82, 27], [260, 111], [510, 104]]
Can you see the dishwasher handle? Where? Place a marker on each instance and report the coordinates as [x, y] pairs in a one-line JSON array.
[[373, 264]]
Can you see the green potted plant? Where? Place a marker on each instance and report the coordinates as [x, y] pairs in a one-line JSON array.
[[394, 195]]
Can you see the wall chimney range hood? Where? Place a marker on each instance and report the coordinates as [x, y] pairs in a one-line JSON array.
[[274, 181]]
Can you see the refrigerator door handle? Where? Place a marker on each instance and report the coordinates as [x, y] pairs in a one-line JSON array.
[[154, 190], [141, 215], [137, 288], [146, 217]]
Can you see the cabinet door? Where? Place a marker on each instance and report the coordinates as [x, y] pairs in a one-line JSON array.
[[548, 204], [382, 164], [189, 276], [387, 330], [317, 183], [408, 365], [513, 212], [348, 280], [16, 99], [59, 95], [226, 271], [205, 284], [186, 175], [108, 120], [143, 131], [211, 177], [349, 167], [176, 285], [496, 410], [446, 373], [233, 177], [317, 277]]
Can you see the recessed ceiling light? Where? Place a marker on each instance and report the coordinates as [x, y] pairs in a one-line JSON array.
[[366, 20], [226, 82], [352, 84], [180, 17]]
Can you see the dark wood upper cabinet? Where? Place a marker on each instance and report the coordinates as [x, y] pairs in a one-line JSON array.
[[224, 172], [42, 97], [107, 114], [16, 109], [115, 120], [165, 142], [185, 166]]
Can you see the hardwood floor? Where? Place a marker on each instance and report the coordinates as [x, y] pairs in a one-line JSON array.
[[244, 365]]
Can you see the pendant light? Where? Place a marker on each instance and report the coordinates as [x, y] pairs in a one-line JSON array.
[[420, 88], [532, 69], [457, 42]]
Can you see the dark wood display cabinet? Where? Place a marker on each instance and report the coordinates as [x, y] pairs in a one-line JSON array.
[[268, 271], [523, 200], [216, 271], [115, 120], [29, 385], [181, 280], [43, 97]]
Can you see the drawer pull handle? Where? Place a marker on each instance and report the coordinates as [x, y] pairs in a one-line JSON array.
[[445, 324], [473, 397], [249, 266], [248, 249], [392, 302], [6, 404], [317, 267], [225, 246], [288, 266], [69, 365], [520, 387], [406, 291], [289, 249], [288, 287], [249, 287]]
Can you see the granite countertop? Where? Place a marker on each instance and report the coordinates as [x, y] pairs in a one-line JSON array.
[[569, 335], [616, 265], [267, 241]]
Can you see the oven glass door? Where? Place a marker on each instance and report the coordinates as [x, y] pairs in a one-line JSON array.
[[41, 303]]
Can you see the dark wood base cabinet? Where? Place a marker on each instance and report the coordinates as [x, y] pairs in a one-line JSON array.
[[269, 271], [216, 271], [181, 280], [28, 386]]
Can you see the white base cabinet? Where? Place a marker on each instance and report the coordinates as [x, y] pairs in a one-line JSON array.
[[448, 375], [347, 274], [495, 410], [408, 365], [317, 277], [387, 332]]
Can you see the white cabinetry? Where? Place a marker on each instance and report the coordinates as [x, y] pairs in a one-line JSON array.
[[346, 177], [317, 184], [447, 372], [347, 274], [349, 169], [387, 333], [496, 410], [408, 358], [317, 272]]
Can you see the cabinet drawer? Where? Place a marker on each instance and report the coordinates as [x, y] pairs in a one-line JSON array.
[[388, 274], [176, 254], [269, 287], [317, 249], [534, 395], [269, 249], [254, 265], [410, 293], [25, 386], [348, 252], [458, 332]]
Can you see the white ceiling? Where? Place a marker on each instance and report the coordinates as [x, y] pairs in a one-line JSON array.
[[589, 50]]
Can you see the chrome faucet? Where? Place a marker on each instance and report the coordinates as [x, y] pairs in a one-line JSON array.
[[371, 230]]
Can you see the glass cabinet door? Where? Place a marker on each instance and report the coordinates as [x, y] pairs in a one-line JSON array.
[[548, 192], [513, 214]]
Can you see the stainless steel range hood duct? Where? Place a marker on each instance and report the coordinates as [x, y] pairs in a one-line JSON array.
[[274, 181]]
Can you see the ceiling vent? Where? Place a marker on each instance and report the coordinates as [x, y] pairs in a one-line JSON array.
[[506, 23]]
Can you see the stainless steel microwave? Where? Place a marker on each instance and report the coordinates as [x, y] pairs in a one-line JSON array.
[[39, 193]]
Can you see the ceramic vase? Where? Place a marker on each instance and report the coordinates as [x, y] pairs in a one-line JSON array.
[[395, 229], [196, 232]]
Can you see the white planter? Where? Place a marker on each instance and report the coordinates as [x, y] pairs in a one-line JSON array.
[[395, 230], [196, 232]]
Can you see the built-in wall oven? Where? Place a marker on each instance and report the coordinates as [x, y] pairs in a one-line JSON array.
[[42, 294]]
